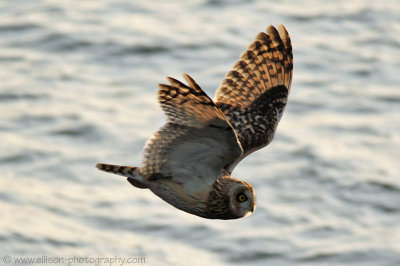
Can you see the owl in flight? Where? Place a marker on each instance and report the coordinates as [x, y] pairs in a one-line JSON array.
[[189, 161]]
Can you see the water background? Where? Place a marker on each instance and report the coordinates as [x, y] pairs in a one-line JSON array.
[[78, 86]]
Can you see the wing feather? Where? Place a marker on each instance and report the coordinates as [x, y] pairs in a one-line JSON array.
[[253, 95], [188, 105]]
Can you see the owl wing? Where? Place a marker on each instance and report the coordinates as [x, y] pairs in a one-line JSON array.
[[253, 95], [197, 141]]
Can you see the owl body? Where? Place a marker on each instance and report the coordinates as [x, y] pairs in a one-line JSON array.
[[219, 202], [206, 203], [189, 161]]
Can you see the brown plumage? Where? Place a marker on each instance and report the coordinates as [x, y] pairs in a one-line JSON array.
[[189, 161], [253, 95]]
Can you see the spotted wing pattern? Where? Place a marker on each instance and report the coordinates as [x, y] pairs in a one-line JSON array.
[[253, 95], [188, 105], [196, 142]]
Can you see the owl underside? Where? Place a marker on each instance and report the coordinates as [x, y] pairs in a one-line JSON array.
[[214, 204]]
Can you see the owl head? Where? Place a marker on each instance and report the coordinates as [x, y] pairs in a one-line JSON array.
[[230, 199], [242, 199]]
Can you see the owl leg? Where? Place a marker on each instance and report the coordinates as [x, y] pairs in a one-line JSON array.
[[128, 171]]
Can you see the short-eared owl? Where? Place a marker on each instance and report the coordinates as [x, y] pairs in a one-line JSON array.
[[189, 161]]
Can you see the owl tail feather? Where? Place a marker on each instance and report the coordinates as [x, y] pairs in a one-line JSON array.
[[128, 171]]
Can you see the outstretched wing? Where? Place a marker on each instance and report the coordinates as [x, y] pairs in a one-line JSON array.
[[196, 143], [253, 95]]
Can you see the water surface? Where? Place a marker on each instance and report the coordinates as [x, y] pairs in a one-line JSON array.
[[78, 86]]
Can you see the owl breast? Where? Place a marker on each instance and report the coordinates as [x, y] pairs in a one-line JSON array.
[[185, 198]]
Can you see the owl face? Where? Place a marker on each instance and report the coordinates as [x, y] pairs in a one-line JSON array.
[[230, 198], [242, 199]]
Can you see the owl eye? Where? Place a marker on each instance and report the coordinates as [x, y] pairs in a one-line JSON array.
[[241, 197]]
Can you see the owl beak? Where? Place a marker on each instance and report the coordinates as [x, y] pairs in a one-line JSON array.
[[251, 211]]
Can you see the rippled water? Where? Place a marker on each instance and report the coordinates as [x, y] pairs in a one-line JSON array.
[[78, 86]]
